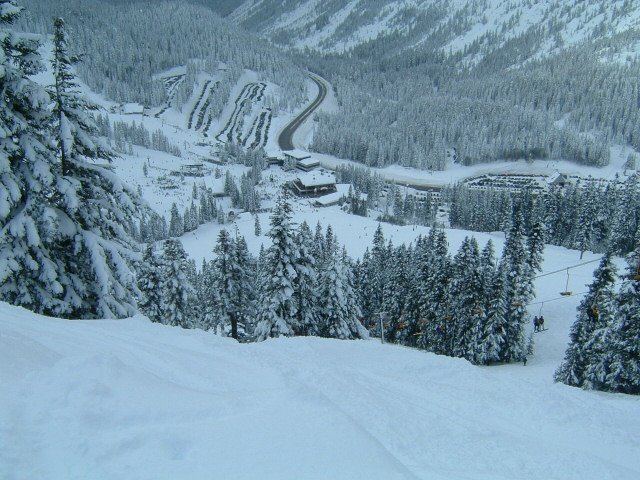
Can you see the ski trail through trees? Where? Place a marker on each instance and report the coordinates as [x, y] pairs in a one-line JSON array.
[[251, 94], [171, 85]]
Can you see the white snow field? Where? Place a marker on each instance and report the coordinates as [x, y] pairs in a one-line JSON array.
[[129, 399]]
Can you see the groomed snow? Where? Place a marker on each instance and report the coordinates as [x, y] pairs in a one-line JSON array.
[[132, 399]]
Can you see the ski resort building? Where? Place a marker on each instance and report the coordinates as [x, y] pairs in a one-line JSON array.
[[308, 164], [340, 195], [193, 170], [296, 155], [275, 157], [313, 184]]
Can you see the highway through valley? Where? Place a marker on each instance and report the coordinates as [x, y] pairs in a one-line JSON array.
[[285, 140]]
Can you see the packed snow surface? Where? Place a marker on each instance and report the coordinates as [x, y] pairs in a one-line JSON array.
[[133, 399]]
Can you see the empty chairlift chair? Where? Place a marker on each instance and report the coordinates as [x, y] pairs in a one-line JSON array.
[[567, 292]]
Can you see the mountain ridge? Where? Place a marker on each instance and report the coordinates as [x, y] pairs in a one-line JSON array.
[[449, 26]]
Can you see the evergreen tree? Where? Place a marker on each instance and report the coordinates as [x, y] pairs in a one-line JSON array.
[[257, 229], [176, 288], [467, 301], [489, 346], [100, 247], [340, 313], [535, 247], [277, 312], [306, 283], [518, 284], [376, 273], [395, 293], [207, 296], [31, 274], [150, 285], [245, 275], [436, 316], [593, 314], [624, 368], [72, 254], [176, 223], [614, 363], [225, 285]]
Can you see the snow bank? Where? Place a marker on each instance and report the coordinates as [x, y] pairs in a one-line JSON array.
[[132, 399]]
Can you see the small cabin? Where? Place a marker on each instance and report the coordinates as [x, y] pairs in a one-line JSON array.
[[314, 184], [557, 180]]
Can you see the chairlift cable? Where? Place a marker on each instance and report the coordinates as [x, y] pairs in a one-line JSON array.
[[541, 302], [567, 268]]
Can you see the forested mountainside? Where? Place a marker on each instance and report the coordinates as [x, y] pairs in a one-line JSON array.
[[475, 27], [129, 43], [483, 80]]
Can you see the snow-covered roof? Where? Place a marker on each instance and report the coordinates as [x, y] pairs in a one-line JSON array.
[[309, 162], [314, 179], [274, 153], [327, 200], [297, 154], [132, 108], [555, 178]]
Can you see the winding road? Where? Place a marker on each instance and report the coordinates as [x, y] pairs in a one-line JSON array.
[[285, 140]]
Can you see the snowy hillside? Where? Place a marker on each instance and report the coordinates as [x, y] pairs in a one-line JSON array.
[[132, 399], [336, 26]]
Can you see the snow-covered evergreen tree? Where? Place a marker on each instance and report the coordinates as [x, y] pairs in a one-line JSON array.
[[150, 285], [467, 301], [375, 273], [229, 285], [277, 312], [95, 207], [395, 293], [517, 291], [225, 287], [176, 223], [535, 247], [594, 313], [340, 312], [436, 316], [306, 283], [624, 368], [206, 294], [66, 238], [30, 272], [176, 287], [489, 345], [245, 275], [614, 350]]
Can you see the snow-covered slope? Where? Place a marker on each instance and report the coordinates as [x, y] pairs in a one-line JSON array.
[[458, 24], [132, 399]]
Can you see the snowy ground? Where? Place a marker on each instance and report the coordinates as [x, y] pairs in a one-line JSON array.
[[132, 399]]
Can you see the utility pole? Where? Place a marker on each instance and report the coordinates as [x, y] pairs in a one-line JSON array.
[[234, 325], [381, 318]]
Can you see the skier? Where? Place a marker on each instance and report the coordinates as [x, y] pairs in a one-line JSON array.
[[536, 324], [541, 323], [524, 361]]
